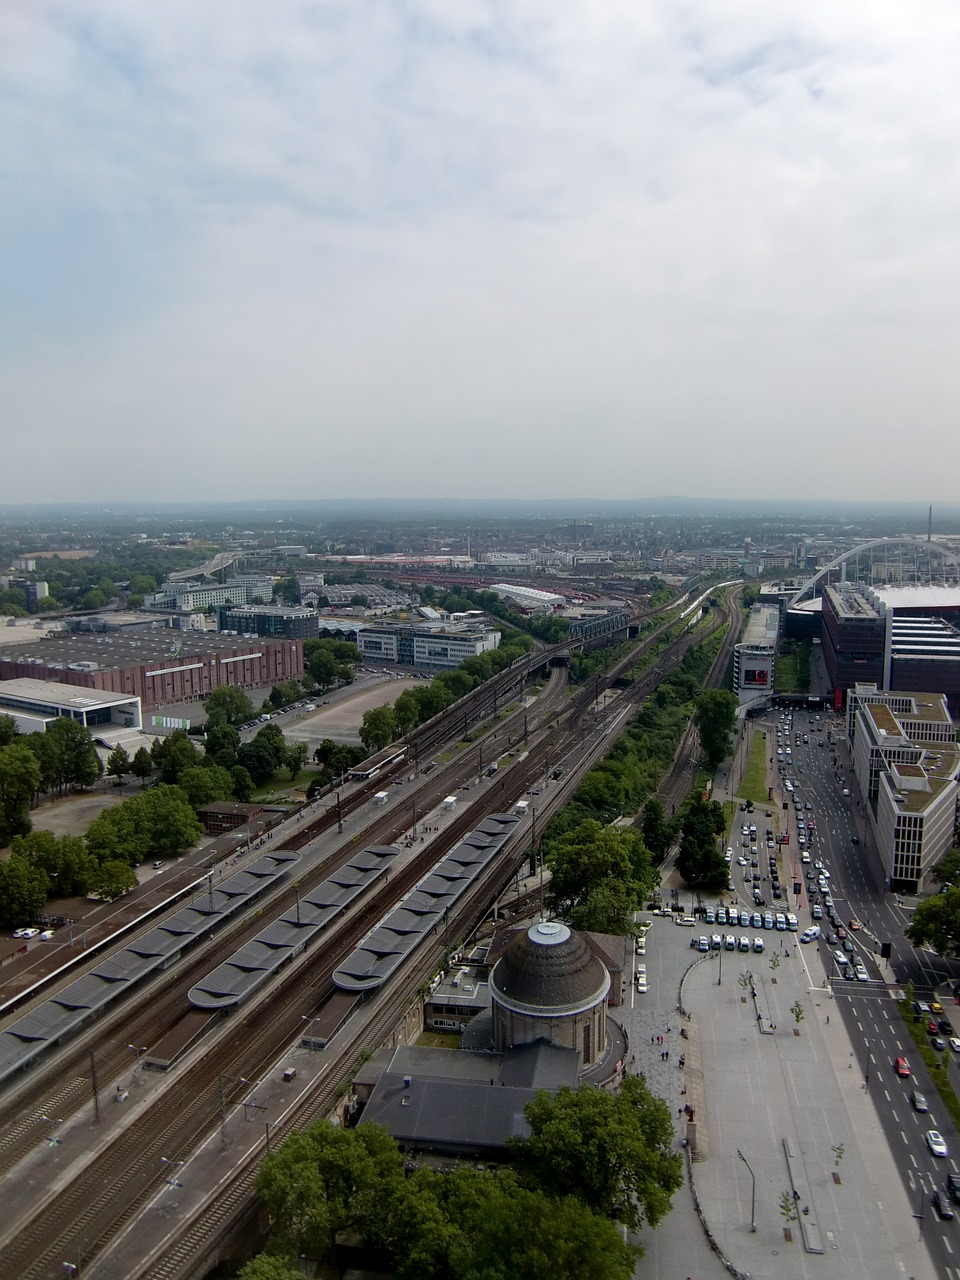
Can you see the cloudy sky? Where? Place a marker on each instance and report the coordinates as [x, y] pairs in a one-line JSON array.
[[466, 248]]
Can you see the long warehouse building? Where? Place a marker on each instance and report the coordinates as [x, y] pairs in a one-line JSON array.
[[161, 667]]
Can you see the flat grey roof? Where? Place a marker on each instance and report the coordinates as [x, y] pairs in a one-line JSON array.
[[141, 648], [60, 695]]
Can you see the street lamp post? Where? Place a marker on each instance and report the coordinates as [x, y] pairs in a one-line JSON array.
[[753, 1190]]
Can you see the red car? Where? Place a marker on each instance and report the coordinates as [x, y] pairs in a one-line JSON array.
[[854, 924], [932, 1027], [902, 1067]]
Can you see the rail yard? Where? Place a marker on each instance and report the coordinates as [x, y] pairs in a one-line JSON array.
[[82, 1176]]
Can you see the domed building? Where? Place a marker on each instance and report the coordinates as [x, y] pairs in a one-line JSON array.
[[549, 985]]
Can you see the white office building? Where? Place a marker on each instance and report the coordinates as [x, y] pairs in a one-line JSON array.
[[907, 762], [34, 704]]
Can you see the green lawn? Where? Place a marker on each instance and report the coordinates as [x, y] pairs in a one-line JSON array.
[[280, 786], [754, 784], [785, 679]]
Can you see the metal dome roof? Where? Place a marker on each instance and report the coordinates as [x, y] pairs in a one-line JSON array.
[[548, 967]]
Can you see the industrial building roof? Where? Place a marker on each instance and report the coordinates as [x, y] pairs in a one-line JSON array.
[[919, 596], [137, 649], [57, 694], [762, 625]]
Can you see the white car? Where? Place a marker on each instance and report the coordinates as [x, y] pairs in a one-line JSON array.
[[936, 1143], [954, 1043], [26, 933]]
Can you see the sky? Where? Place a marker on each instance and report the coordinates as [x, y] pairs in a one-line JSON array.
[[478, 248]]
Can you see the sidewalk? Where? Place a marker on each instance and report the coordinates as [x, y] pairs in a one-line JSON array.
[[783, 1095]]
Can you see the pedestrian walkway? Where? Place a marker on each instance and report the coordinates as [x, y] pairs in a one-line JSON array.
[[789, 1111]]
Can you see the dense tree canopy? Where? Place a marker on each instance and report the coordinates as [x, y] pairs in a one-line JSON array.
[[947, 870], [64, 860], [118, 764], [20, 775], [23, 891], [325, 1181], [598, 876], [612, 1151], [155, 821], [936, 923], [228, 705], [466, 1225], [378, 728], [716, 719], [66, 755], [657, 831], [700, 860]]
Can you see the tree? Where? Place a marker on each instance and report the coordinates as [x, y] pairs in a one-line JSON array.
[[598, 876], [297, 753], [266, 1267], [118, 763], [323, 667], [23, 891], [141, 766], [222, 744], [64, 861], [716, 718], [378, 728], [19, 783], [611, 1151], [699, 861], [657, 833], [66, 754], [203, 786], [936, 922], [325, 1181], [228, 705], [507, 1230], [8, 730], [173, 754], [788, 1207], [243, 787], [947, 870], [259, 761], [797, 1010], [112, 879], [158, 820], [406, 711]]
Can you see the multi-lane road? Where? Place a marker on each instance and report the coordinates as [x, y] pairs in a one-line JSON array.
[[819, 775]]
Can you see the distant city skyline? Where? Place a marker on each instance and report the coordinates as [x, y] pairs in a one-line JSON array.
[[454, 251]]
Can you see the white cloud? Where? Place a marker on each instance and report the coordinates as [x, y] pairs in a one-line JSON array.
[[448, 248]]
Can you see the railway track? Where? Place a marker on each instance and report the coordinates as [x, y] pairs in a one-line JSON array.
[[110, 1189], [113, 1185], [22, 1123]]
